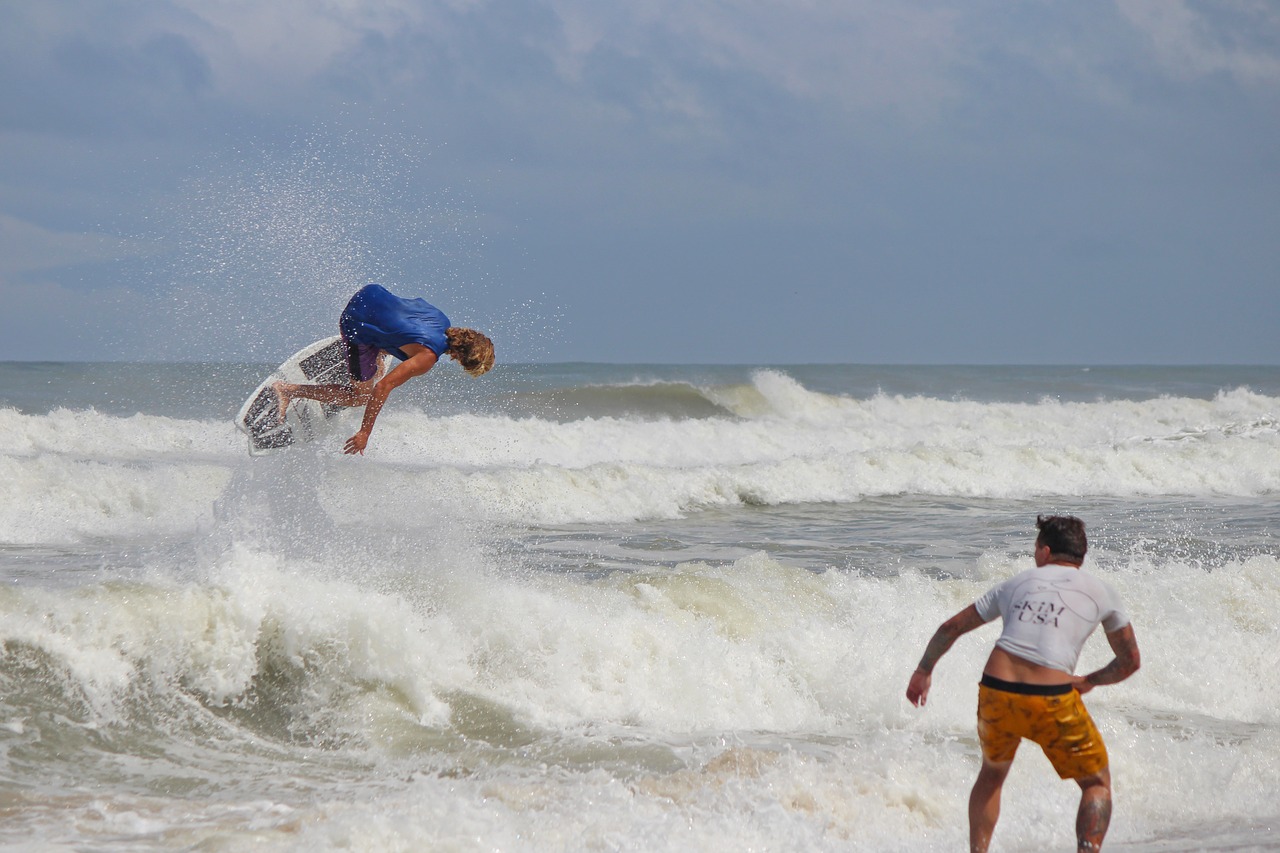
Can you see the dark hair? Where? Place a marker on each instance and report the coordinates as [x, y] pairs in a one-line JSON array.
[[1064, 534]]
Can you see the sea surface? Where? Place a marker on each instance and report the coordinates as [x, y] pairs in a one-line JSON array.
[[586, 607]]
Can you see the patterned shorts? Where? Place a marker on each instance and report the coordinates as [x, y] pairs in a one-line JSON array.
[[1059, 723]]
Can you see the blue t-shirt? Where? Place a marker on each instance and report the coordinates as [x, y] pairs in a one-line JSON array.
[[378, 318]]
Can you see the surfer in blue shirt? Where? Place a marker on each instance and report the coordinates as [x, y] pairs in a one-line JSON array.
[[377, 323]]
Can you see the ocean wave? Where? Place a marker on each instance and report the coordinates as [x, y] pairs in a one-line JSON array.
[[89, 434], [640, 399], [308, 652], [310, 647], [72, 475], [766, 393], [325, 696]]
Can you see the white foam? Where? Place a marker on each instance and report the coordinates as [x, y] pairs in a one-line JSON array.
[[806, 670], [839, 449], [753, 645], [72, 475]]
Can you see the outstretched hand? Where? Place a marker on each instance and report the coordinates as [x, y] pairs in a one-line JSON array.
[[918, 688], [356, 443]]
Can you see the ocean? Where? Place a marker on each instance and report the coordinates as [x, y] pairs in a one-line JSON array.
[[591, 607]]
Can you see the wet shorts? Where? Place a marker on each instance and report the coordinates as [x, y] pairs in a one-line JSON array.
[[1058, 721], [362, 361]]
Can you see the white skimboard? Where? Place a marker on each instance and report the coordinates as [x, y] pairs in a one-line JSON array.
[[322, 363]]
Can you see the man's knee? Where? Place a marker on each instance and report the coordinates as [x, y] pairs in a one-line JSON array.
[[1096, 784], [993, 773]]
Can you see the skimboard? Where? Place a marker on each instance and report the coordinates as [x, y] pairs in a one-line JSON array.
[[322, 363]]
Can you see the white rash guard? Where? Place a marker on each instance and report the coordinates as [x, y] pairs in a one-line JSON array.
[[1050, 611]]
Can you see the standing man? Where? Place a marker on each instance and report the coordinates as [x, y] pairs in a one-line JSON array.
[[1028, 688]]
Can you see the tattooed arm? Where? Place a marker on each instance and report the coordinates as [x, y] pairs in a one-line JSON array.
[[1124, 664], [948, 632]]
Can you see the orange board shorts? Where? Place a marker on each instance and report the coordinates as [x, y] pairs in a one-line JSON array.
[[1059, 723]]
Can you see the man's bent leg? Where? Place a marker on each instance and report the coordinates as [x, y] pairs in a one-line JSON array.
[[340, 395], [1095, 811], [984, 803]]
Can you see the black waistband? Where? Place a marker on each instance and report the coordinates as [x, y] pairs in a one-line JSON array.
[[1025, 689]]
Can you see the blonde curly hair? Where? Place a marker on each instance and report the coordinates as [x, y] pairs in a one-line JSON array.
[[473, 350]]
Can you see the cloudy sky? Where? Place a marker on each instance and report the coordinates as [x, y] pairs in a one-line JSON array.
[[758, 181]]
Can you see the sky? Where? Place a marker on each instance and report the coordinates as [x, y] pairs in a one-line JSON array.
[[718, 181]]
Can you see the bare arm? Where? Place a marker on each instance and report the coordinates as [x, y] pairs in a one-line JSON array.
[[419, 362], [946, 635], [1124, 664]]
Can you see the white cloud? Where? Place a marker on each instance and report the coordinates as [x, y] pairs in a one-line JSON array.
[[852, 54], [859, 54], [1239, 38], [284, 43]]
